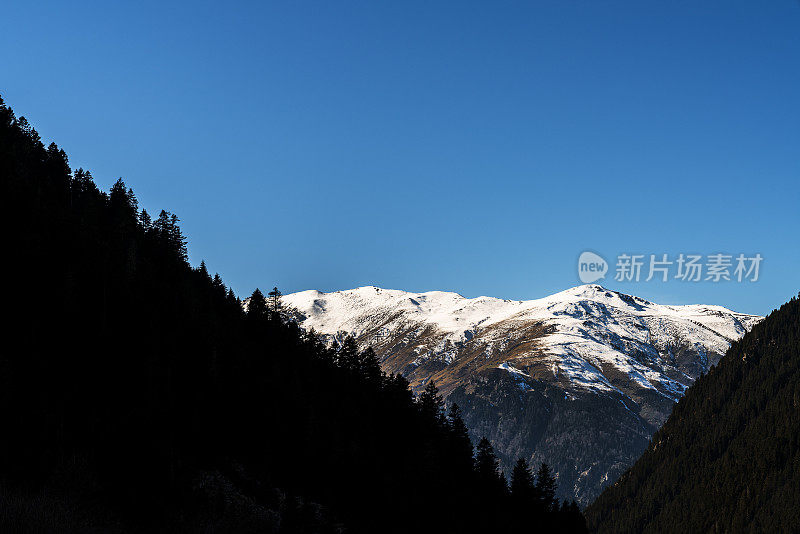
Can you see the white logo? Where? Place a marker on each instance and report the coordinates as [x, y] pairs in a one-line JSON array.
[[717, 268], [591, 267]]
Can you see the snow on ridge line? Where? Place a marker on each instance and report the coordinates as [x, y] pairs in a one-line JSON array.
[[591, 326], [453, 313], [585, 292]]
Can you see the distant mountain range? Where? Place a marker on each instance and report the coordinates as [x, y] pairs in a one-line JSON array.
[[580, 379]]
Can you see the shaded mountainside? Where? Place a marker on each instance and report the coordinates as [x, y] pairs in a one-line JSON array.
[[136, 395], [580, 379], [728, 458]]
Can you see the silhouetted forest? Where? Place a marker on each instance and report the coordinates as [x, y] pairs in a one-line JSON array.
[[137, 394], [728, 458]]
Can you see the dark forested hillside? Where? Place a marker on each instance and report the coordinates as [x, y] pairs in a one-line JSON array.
[[136, 394], [728, 458]]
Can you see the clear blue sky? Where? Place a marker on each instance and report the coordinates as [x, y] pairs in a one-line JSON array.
[[477, 147]]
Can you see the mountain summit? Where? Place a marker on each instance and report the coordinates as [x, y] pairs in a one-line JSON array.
[[580, 379]]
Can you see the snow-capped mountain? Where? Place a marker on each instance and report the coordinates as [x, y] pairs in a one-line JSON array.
[[580, 379]]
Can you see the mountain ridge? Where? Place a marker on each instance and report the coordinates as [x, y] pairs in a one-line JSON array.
[[363, 312], [617, 358], [726, 459]]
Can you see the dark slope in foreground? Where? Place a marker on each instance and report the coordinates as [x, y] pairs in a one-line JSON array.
[[728, 458], [136, 395]]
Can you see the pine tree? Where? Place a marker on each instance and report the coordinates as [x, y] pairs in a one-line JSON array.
[[275, 302], [459, 437], [218, 284], [523, 497], [233, 301], [522, 483], [431, 404], [177, 239], [487, 466], [546, 488], [347, 354], [123, 208], [370, 368], [203, 270], [133, 202], [145, 220], [491, 484], [257, 306]]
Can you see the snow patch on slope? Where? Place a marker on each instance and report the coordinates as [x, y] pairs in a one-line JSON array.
[[591, 329]]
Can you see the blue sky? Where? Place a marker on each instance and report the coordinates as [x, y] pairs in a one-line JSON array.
[[477, 147]]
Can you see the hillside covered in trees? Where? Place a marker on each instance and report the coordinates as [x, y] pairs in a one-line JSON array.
[[728, 458], [136, 394]]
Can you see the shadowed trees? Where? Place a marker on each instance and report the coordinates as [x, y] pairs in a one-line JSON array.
[[727, 458], [136, 393]]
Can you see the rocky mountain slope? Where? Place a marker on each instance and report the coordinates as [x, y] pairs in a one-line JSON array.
[[727, 458], [580, 379]]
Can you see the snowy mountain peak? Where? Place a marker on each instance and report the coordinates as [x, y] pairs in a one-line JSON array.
[[587, 336], [605, 352]]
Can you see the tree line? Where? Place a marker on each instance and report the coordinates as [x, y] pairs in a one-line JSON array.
[[728, 457], [138, 393]]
